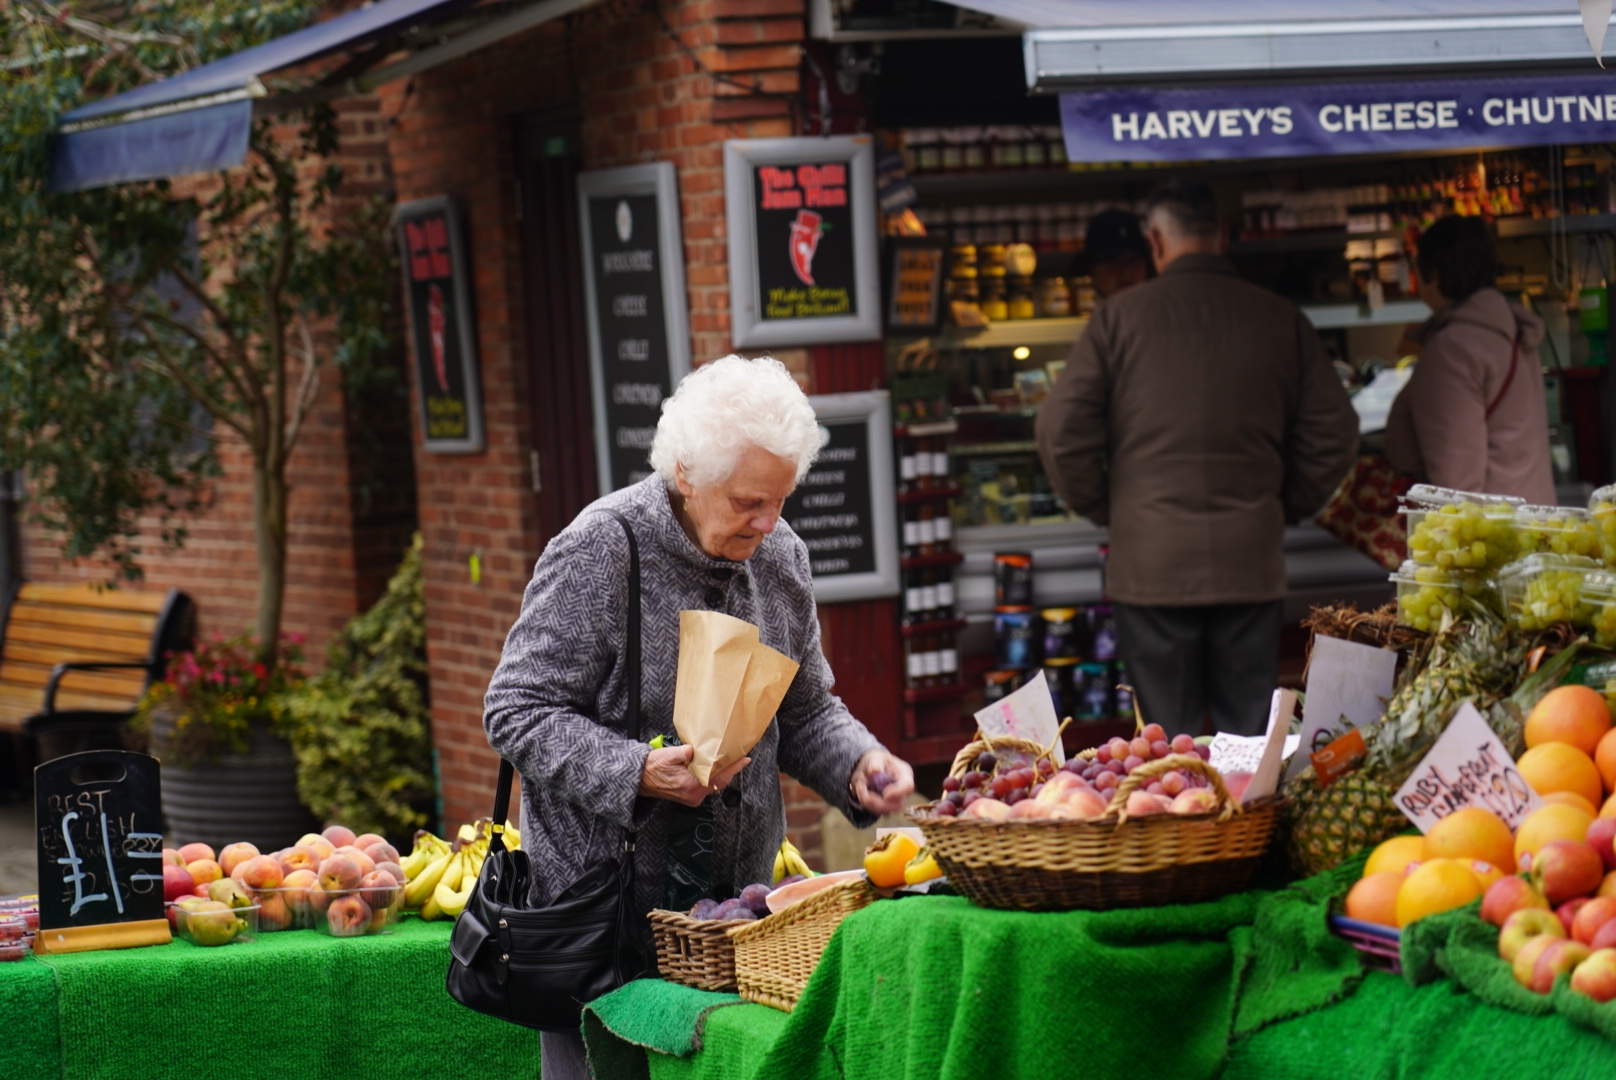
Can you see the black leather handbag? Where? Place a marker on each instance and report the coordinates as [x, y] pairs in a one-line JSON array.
[[538, 966]]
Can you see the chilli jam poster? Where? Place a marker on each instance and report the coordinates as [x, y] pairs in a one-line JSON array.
[[804, 216], [440, 327]]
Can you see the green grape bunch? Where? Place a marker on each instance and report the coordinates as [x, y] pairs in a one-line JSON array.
[[1428, 596], [1602, 508], [1463, 536], [1558, 530], [1549, 597]]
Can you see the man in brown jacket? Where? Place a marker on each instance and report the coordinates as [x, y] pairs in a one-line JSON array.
[[1196, 416]]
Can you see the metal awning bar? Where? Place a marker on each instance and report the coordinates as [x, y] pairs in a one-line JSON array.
[[253, 89]]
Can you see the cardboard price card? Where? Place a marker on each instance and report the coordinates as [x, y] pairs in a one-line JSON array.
[[1468, 766]]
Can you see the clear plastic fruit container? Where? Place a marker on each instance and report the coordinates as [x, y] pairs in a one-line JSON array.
[[1541, 590], [1427, 595], [15, 950], [216, 925], [1460, 530], [358, 912], [1556, 530], [1599, 593], [1602, 510], [286, 908], [12, 930]]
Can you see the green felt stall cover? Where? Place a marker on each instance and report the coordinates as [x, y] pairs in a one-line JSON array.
[[646, 1014], [292, 1004]]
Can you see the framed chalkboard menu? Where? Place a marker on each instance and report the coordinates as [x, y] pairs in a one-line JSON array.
[[437, 291], [803, 264], [634, 291], [844, 507]]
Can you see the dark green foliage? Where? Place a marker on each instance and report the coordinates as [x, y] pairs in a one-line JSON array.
[[363, 726]]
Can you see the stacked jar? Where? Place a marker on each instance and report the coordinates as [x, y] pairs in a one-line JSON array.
[[925, 478]]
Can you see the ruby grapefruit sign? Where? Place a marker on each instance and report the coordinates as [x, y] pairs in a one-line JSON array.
[[804, 241]]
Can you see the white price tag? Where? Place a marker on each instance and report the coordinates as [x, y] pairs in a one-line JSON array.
[[1468, 766]]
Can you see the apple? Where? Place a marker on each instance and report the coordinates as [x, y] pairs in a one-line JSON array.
[[171, 857], [205, 870], [1592, 915], [1567, 912], [190, 853], [1604, 937], [339, 835], [1607, 887], [1596, 976], [1508, 895], [1522, 927], [177, 881], [1602, 838], [1558, 958], [349, 916], [259, 872], [201, 889], [234, 855], [1526, 960], [340, 872], [1563, 869]]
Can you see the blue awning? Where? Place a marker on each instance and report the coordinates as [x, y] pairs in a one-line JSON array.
[[200, 120]]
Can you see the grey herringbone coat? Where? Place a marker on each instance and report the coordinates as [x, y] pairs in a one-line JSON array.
[[556, 707]]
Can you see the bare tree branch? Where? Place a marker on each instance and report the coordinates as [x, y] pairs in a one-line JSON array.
[[308, 385], [175, 370]]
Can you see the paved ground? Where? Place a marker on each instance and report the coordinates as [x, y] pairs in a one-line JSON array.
[[17, 849]]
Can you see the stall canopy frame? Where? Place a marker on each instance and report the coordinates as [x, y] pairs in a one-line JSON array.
[[200, 120]]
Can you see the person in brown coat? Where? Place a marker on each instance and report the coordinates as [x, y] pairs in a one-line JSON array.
[[1472, 416], [1196, 416]]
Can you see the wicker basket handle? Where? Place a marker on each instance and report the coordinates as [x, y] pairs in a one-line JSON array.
[[1151, 770], [965, 760]]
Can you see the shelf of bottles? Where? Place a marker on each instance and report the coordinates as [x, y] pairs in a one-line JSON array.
[[926, 491]]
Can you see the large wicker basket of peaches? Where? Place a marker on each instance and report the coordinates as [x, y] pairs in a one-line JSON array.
[[1130, 823]]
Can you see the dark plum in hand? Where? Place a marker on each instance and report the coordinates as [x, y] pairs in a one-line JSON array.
[[880, 780]]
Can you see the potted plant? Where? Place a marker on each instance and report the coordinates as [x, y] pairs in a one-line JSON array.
[[219, 724]]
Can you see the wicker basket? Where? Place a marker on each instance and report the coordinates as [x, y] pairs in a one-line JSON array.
[[775, 956], [1110, 862], [695, 952]]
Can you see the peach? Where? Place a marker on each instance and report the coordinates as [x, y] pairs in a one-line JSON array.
[[295, 891], [1602, 838], [273, 914], [171, 857], [366, 863], [1053, 790], [378, 921], [1563, 869], [1081, 804], [988, 810], [300, 858], [1195, 801], [348, 916], [204, 870], [190, 853], [1593, 915], [339, 872], [1028, 809], [364, 840], [322, 847], [396, 870], [1144, 804], [1596, 976], [380, 889], [1508, 895], [1567, 912], [339, 835], [260, 872], [234, 855], [1523, 926], [1525, 961], [318, 897], [1560, 958], [385, 852]]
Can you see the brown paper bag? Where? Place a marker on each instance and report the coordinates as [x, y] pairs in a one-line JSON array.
[[728, 689]]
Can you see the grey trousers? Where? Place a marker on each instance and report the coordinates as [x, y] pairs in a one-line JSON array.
[[561, 1056], [1187, 662]]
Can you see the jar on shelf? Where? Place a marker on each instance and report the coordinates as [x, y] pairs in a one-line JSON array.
[[1020, 303], [1083, 296], [990, 261], [1055, 300], [995, 306]]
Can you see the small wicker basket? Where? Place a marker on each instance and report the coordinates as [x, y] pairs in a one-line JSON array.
[[695, 952], [775, 956], [1109, 862]]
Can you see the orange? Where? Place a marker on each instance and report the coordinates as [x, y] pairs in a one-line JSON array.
[[1485, 872], [1557, 766], [1548, 823], [1437, 886], [1570, 798], [1472, 833], [1576, 715], [1605, 759], [1374, 898], [1395, 854]]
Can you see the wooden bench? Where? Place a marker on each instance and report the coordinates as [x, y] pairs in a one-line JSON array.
[[75, 659]]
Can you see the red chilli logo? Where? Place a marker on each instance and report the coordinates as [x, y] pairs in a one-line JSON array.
[[805, 233], [434, 322]]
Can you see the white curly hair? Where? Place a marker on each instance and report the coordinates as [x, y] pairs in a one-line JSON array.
[[725, 406]]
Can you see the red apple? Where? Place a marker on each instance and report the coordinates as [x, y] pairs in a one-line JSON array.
[[349, 916], [1602, 838], [1604, 937], [339, 835], [1567, 912], [1596, 976], [1559, 958], [1563, 869], [1508, 895], [1525, 961], [234, 855], [177, 882], [1594, 914], [1522, 927], [192, 852], [338, 873]]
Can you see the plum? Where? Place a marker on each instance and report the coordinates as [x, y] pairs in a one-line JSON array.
[[745, 914], [728, 909], [703, 908], [880, 780], [791, 880], [755, 897]]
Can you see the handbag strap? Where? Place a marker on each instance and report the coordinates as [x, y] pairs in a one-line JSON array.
[[507, 773], [1514, 362]]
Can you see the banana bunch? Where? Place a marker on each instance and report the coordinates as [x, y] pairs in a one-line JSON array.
[[443, 872], [788, 861]]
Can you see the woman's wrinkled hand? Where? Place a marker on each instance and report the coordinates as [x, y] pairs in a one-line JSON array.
[[896, 785], [667, 775]]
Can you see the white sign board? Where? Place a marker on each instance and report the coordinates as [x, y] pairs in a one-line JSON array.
[[1029, 713], [1347, 682], [1468, 766], [1259, 755]]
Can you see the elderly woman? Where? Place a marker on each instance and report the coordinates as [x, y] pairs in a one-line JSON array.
[[733, 442]]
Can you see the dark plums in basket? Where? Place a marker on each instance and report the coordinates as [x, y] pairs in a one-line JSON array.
[[727, 910], [744, 914], [703, 908], [756, 897], [790, 880]]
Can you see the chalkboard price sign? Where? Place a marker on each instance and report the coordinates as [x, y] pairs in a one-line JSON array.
[[844, 508], [99, 821], [634, 291], [437, 292]]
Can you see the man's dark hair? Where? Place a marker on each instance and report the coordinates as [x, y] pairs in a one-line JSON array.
[[1457, 254], [1191, 205], [1114, 235]]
